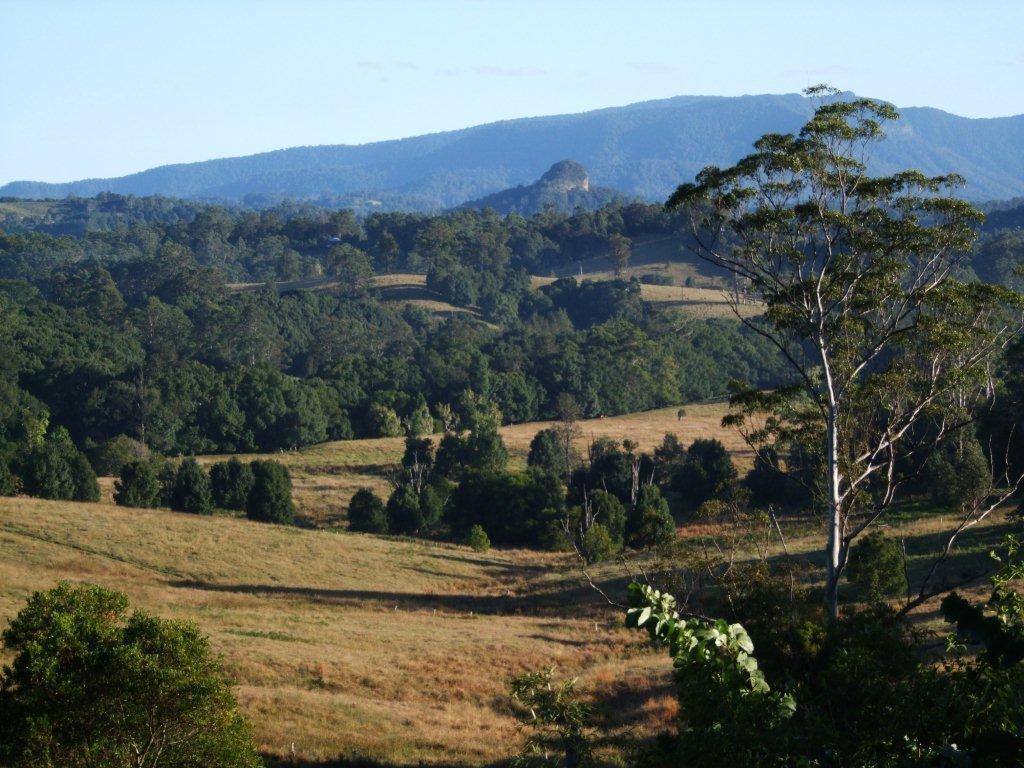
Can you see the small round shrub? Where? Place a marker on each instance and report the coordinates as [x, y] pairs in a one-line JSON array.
[[596, 544], [270, 500], [366, 513], [876, 568], [712, 509], [478, 539]]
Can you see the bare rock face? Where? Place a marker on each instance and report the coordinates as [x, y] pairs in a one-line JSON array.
[[564, 187], [567, 174]]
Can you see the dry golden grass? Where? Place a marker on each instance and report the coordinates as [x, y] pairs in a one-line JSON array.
[[341, 644]]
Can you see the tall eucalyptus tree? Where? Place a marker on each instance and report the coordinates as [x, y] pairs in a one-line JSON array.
[[859, 278]]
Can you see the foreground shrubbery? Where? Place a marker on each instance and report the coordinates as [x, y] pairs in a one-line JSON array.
[[91, 684], [856, 692]]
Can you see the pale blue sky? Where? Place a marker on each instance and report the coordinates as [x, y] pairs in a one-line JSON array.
[[94, 88]]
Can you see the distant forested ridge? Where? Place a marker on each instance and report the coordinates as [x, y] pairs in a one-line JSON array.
[[122, 320], [640, 150]]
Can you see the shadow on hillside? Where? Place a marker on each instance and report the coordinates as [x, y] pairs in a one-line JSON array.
[[408, 293], [526, 569], [581, 598]]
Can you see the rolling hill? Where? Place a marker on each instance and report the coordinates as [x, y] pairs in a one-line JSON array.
[[643, 149]]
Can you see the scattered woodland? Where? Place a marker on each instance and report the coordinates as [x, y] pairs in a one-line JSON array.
[[730, 479]]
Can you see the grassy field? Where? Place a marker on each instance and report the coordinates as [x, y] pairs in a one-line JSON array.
[[354, 646], [344, 644], [395, 650]]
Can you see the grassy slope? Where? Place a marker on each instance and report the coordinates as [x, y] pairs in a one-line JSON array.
[[360, 646], [342, 644]]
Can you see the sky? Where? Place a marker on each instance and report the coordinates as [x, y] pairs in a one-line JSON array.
[[95, 89]]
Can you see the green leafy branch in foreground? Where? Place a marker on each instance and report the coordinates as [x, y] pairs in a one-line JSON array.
[[998, 625], [721, 690], [712, 646]]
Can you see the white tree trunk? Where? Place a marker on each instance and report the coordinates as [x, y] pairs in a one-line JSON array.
[[834, 547]]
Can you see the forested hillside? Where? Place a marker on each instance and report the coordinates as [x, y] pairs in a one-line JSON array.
[[130, 329], [640, 150]]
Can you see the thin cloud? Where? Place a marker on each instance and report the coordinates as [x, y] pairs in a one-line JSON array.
[[653, 67], [381, 66], [490, 70], [829, 69]]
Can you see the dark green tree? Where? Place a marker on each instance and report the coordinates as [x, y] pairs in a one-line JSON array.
[[650, 523], [56, 469], [547, 451], [477, 538], [90, 685], [707, 472], [190, 491], [270, 500], [609, 512], [957, 473], [877, 569], [83, 478], [231, 482], [138, 485], [366, 513], [8, 482], [405, 516]]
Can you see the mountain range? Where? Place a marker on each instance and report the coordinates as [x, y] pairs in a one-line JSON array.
[[643, 150]]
